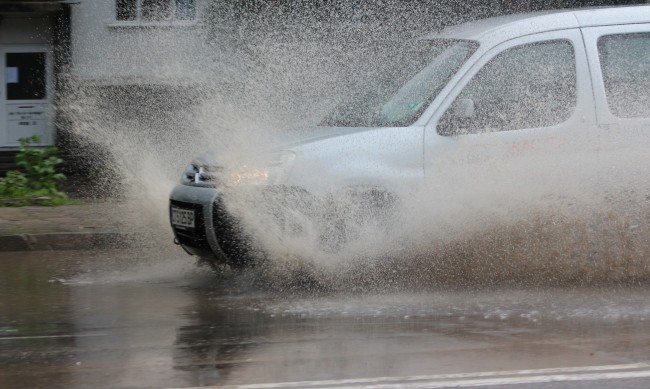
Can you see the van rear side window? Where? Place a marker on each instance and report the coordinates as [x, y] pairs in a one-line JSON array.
[[625, 61]]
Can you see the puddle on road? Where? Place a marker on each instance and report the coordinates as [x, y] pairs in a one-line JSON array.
[[78, 268], [250, 291], [536, 306], [546, 305], [100, 312]]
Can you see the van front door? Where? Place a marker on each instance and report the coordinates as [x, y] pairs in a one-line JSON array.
[[515, 123], [25, 95]]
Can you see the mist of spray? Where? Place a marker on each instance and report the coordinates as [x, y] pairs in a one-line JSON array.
[[514, 220]]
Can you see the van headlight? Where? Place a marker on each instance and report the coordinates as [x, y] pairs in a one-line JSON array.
[[269, 169]]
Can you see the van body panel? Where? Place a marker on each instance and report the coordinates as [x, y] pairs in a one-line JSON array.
[[602, 16], [511, 26]]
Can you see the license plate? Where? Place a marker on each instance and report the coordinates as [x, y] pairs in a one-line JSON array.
[[182, 217]]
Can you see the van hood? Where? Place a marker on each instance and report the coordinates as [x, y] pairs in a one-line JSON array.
[[286, 140], [297, 137]]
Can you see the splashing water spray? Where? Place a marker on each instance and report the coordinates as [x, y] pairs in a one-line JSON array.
[[255, 73]]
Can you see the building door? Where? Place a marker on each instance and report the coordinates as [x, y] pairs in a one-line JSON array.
[[25, 94]]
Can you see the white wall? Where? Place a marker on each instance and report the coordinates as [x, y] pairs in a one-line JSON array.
[[109, 52]]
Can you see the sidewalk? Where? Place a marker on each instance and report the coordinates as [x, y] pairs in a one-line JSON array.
[[68, 227]]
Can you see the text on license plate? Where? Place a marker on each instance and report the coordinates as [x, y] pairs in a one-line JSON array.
[[182, 217]]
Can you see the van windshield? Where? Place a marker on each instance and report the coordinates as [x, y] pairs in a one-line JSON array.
[[407, 81]]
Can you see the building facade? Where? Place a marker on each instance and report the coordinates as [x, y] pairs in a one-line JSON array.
[[33, 52]]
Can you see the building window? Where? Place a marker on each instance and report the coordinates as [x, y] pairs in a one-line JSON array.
[[155, 10], [28, 81]]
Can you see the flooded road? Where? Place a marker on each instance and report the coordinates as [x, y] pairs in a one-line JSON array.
[[134, 320]]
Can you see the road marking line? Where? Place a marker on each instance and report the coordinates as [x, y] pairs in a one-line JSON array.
[[502, 381], [49, 336], [465, 379]]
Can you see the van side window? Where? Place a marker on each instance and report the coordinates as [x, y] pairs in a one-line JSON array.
[[527, 86], [625, 61]]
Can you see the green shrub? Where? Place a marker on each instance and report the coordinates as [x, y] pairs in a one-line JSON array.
[[39, 177], [13, 185]]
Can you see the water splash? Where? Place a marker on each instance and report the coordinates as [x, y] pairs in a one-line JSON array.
[[501, 221]]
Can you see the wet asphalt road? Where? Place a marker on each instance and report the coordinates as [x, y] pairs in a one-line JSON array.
[[124, 319]]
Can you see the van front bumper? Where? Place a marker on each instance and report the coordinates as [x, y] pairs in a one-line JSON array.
[[202, 239]]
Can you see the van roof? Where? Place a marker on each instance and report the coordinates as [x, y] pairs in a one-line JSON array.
[[510, 26]]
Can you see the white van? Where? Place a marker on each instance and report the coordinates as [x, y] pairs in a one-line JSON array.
[[503, 85]]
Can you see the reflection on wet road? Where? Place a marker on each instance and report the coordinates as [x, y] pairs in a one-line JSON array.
[[81, 319]]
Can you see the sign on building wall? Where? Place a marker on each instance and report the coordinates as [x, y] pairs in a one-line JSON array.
[[25, 101]]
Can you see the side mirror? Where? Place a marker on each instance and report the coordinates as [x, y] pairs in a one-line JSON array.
[[457, 117]]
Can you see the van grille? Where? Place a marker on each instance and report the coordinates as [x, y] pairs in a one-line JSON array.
[[200, 175]]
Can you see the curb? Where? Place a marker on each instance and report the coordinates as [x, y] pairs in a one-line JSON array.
[[67, 241]]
